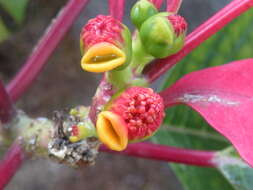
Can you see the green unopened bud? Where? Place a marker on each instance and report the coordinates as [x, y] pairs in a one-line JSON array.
[[180, 26], [157, 35], [141, 11], [163, 34]]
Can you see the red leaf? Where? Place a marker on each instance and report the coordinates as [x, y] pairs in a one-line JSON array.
[[223, 95]]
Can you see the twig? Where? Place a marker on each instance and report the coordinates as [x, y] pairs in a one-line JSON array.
[[45, 48], [157, 3], [10, 164], [173, 5], [116, 8], [15, 157], [168, 154], [198, 36], [6, 107]]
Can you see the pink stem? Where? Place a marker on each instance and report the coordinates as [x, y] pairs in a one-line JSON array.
[[6, 107], [157, 3], [167, 154], [45, 48], [10, 164], [173, 5], [116, 8], [198, 36], [103, 95]]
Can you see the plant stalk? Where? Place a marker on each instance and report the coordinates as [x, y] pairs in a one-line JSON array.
[[116, 8], [41, 53], [157, 3], [173, 5], [6, 107], [11, 162], [15, 157], [168, 154], [198, 36]]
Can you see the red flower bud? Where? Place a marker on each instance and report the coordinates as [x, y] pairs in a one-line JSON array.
[[179, 24], [105, 43], [142, 110], [138, 110], [101, 29]]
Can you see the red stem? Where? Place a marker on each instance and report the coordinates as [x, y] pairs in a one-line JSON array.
[[157, 3], [15, 157], [10, 164], [102, 96], [116, 8], [45, 48], [6, 107], [173, 5], [198, 36], [168, 154]]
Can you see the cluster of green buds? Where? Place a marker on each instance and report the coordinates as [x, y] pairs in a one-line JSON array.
[[162, 34]]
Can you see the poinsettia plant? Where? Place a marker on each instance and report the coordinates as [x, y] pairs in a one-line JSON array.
[[124, 109]]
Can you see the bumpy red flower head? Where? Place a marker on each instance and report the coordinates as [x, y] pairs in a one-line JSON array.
[[179, 24], [105, 44], [101, 29], [142, 110], [134, 115]]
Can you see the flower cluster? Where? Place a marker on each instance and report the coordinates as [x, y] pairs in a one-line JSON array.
[[134, 113]]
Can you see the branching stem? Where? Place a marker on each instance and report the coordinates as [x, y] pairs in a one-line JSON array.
[[168, 154], [11, 162], [6, 107], [173, 5], [198, 36], [157, 3], [116, 8], [45, 48]]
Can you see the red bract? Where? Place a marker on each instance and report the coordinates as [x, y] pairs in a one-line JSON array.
[[223, 96]]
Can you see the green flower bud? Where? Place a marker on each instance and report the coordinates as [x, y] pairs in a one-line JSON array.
[[163, 34], [141, 11]]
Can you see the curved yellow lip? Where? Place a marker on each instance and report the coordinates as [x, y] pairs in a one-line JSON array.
[[112, 131], [102, 57]]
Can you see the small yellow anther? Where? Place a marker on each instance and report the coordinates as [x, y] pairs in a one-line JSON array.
[[78, 132]]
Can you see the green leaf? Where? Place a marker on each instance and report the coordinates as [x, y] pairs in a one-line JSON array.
[[4, 33], [16, 8], [184, 127], [238, 173], [191, 177]]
